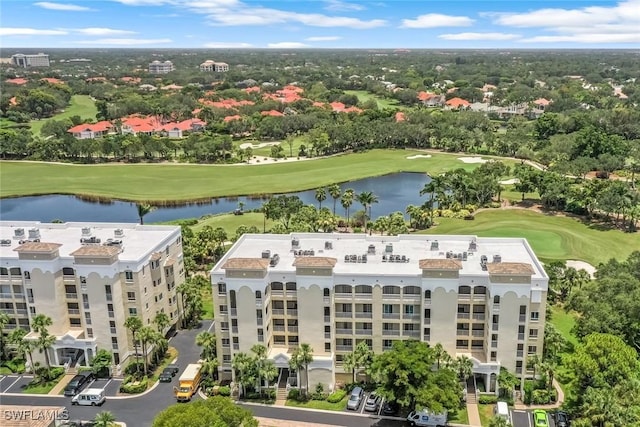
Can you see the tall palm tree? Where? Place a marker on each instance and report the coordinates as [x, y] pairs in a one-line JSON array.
[[350, 364], [207, 341], [22, 346], [209, 368], [162, 321], [4, 321], [259, 358], [335, 192], [147, 337], [104, 419], [366, 199], [144, 209], [242, 369], [346, 201], [440, 354], [321, 196], [301, 358], [134, 324], [40, 324], [498, 422], [464, 366]]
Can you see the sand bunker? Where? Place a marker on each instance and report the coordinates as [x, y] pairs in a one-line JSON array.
[[419, 156], [472, 160], [510, 181], [581, 265], [246, 145]]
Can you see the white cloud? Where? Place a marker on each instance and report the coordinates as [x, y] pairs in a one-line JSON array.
[[435, 20], [62, 6], [96, 31], [587, 38], [227, 45], [287, 45], [323, 38], [479, 36], [13, 31], [126, 42], [341, 6]]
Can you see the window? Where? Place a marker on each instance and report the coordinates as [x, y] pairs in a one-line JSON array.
[[235, 340], [90, 332], [391, 290], [160, 296], [523, 309], [226, 358], [533, 333], [223, 309], [387, 343], [133, 311], [496, 299], [343, 289], [75, 322], [427, 313], [107, 289], [146, 306], [464, 290], [222, 288], [226, 342], [480, 290], [87, 318], [224, 326], [408, 309], [114, 343], [258, 295], [68, 271], [494, 356], [462, 343], [116, 358], [4, 271], [535, 316], [32, 310], [83, 279], [532, 349], [128, 276], [387, 308], [327, 346], [131, 296], [27, 275], [325, 292], [427, 294]]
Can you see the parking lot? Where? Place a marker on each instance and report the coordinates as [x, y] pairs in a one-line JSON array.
[[14, 383], [525, 419]]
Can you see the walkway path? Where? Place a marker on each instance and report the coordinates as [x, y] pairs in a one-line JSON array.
[[62, 384], [521, 406]]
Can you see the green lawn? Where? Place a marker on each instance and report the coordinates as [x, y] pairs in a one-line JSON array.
[[231, 222], [42, 388], [163, 182], [486, 413], [319, 404], [364, 96], [460, 417], [551, 237], [80, 105], [266, 150], [207, 303], [564, 322]]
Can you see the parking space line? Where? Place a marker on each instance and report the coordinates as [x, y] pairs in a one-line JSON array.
[[13, 383], [363, 403], [108, 382]]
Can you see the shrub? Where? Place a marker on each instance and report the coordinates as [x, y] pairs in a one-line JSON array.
[[133, 387], [15, 365], [336, 396], [224, 391], [294, 394], [485, 399], [134, 367]]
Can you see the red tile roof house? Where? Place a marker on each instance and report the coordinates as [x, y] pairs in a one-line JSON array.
[[91, 130], [19, 81], [232, 118], [457, 103], [177, 130], [400, 116], [339, 107], [541, 103], [272, 113], [431, 99]]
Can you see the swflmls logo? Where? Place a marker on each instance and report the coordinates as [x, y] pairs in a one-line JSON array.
[[36, 414]]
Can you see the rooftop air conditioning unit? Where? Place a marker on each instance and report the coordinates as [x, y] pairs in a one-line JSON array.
[[328, 245], [295, 242], [371, 249], [497, 258], [34, 233], [266, 254], [389, 248], [434, 245], [118, 233], [86, 232], [5, 242], [18, 233], [473, 246]]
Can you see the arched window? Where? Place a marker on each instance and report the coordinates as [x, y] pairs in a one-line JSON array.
[[68, 271], [343, 289], [326, 292], [291, 286], [427, 294], [363, 289], [15, 271], [277, 286], [480, 290], [258, 295], [464, 290], [411, 290], [4, 271], [496, 299], [391, 290]]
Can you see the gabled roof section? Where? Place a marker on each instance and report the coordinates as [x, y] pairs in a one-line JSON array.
[[518, 268], [96, 251], [440, 264], [37, 247], [246, 264], [315, 261]]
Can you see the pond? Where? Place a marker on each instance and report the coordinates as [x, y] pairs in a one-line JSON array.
[[394, 193]]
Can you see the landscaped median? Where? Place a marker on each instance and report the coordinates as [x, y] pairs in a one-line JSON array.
[[336, 401], [135, 383]]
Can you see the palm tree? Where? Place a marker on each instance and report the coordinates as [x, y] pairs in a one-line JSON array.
[[4, 320], [143, 209], [349, 363], [499, 422], [301, 358], [134, 324], [464, 366], [207, 341], [346, 201], [440, 354], [40, 324], [209, 368], [22, 346], [506, 382], [335, 192], [147, 336], [366, 199], [104, 419], [243, 374], [162, 321], [321, 196], [268, 372], [533, 362]]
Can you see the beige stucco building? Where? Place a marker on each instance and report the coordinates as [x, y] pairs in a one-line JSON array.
[[480, 297], [88, 278]]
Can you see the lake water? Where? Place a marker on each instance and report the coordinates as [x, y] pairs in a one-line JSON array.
[[394, 193]]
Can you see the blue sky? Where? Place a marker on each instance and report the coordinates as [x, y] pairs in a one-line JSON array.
[[321, 24]]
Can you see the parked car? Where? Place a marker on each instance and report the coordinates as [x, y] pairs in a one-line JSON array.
[[390, 408], [89, 397], [355, 398], [373, 402], [173, 368], [561, 419], [78, 382], [166, 376], [540, 418]]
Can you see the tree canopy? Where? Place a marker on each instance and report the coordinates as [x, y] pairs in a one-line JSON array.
[[216, 411]]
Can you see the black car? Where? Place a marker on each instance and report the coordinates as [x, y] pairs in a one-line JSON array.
[[562, 419], [167, 375], [390, 409], [173, 368], [78, 382]]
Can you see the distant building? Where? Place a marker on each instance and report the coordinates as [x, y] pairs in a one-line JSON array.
[[157, 67], [26, 61], [212, 66]]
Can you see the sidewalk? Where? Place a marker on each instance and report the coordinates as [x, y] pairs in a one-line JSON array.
[[57, 390], [559, 401], [474, 415], [271, 422]]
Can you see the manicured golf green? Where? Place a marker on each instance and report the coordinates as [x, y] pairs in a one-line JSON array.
[[564, 322], [80, 105], [551, 237], [165, 182], [231, 222], [364, 96]]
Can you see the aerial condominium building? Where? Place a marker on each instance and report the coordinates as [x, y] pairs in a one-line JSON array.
[[33, 60], [88, 278], [157, 67], [479, 297]]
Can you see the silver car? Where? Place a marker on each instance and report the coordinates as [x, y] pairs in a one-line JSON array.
[[354, 398], [373, 402]]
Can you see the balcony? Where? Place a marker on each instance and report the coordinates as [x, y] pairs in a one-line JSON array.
[[279, 293], [70, 279], [21, 311], [338, 296], [18, 295], [292, 312], [462, 332], [364, 331], [278, 328], [464, 315], [344, 348], [364, 315], [112, 330], [73, 311], [111, 314], [391, 315], [6, 310], [522, 318], [234, 311], [71, 296], [409, 316], [390, 296], [327, 319], [277, 312], [344, 314], [292, 328], [477, 333], [464, 297], [410, 333], [344, 331], [478, 316], [393, 332], [364, 296], [479, 297]]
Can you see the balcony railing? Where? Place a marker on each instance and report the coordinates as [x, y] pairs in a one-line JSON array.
[[390, 315], [278, 328], [343, 314], [18, 295], [479, 297], [364, 331], [277, 312], [292, 328], [277, 293], [477, 333], [291, 294], [395, 332], [522, 318], [387, 347], [112, 330], [533, 337], [520, 337], [364, 315], [340, 295], [6, 310], [292, 312], [464, 315], [21, 311], [344, 331], [464, 297], [234, 311], [73, 311], [327, 319], [408, 316], [391, 296], [462, 332], [411, 333], [344, 347], [364, 296], [71, 295], [478, 316]]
